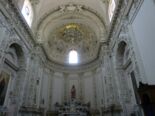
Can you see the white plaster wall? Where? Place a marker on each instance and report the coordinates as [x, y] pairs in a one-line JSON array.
[[84, 86], [88, 89], [58, 88], [144, 32], [99, 87], [45, 90], [2, 33]]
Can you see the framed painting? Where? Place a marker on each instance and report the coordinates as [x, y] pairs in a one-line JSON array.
[[4, 81]]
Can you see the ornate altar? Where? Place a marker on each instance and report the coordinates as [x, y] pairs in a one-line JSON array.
[[73, 108]]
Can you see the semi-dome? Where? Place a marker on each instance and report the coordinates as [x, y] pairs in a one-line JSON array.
[[72, 36]]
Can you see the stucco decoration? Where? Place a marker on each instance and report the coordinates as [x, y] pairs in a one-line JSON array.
[[72, 36]]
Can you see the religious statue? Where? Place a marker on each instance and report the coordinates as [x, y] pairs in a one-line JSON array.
[[73, 92]]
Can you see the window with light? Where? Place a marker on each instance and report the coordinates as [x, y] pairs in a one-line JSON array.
[[111, 10], [27, 12], [73, 57]]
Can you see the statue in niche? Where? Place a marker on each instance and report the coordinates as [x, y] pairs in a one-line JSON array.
[[73, 92]]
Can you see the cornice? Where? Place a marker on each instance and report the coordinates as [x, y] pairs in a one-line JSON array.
[[78, 68], [115, 17], [72, 69], [125, 12], [134, 10], [16, 19]]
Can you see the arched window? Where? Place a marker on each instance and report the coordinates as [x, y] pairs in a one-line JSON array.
[[27, 12], [111, 9], [73, 57]]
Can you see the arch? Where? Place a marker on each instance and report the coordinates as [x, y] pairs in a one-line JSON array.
[[121, 48], [52, 12], [120, 52], [17, 54], [16, 50], [20, 49]]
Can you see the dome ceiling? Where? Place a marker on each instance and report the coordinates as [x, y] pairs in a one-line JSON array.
[[72, 36], [70, 26]]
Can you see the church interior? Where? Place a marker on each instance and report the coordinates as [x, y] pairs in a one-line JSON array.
[[77, 58]]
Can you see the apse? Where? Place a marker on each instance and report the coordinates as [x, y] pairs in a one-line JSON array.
[[76, 57]]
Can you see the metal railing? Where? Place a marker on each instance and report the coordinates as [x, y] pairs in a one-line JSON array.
[[3, 111]]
